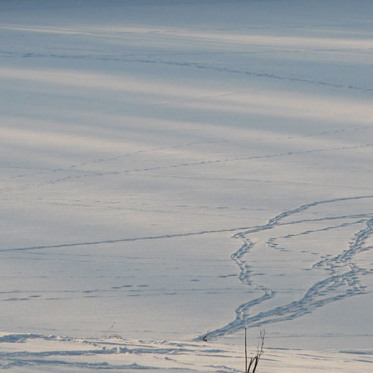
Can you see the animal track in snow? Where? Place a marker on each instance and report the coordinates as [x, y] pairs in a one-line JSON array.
[[334, 277]]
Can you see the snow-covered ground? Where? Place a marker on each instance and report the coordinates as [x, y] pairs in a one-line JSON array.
[[178, 170]]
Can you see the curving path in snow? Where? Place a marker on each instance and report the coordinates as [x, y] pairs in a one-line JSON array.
[[338, 275]]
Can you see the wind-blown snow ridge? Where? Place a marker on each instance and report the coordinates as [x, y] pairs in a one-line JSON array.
[[343, 275], [109, 353], [31, 352]]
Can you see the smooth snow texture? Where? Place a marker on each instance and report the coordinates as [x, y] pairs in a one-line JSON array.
[[173, 171]]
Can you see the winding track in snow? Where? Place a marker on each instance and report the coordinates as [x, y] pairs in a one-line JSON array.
[[343, 275]]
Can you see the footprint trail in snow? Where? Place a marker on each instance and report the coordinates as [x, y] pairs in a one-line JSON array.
[[330, 239]]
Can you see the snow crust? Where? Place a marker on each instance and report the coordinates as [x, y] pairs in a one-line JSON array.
[[173, 171]]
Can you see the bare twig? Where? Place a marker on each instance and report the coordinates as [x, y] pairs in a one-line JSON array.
[[245, 350], [254, 361]]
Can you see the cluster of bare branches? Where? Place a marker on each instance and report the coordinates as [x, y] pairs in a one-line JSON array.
[[250, 366]]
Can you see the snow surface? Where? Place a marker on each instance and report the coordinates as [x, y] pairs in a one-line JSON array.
[[174, 170]]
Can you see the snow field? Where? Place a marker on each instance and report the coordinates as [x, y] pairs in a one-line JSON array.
[[172, 170]]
